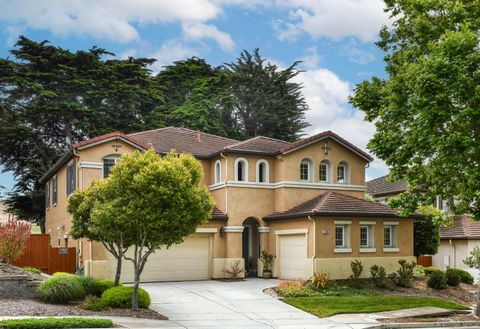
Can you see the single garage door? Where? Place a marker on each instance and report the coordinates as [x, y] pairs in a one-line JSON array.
[[187, 261], [293, 253]]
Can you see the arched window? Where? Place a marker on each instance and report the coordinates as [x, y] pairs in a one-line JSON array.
[[306, 170], [343, 173], [324, 172], [241, 170], [262, 171], [218, 171], [108, 162]]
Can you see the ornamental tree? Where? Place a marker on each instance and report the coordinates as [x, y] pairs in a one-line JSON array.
[[86, 225], [14, 236], [156, 201], [427, 108]]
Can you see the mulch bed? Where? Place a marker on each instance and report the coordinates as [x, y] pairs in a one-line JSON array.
[[31, 307]]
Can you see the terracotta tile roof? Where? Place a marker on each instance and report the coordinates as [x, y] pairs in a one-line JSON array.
[[336, 204], [323, 135], [463, 228], [108, 136], [381, 186], [183, 140], [259, 144], [217, 214]]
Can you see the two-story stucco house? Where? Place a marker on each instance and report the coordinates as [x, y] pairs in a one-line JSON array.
[[302, 202]]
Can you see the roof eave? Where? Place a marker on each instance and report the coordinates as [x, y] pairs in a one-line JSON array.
[[60, 162], [337, 214]]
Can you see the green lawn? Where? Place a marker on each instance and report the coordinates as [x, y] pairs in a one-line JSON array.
[[36, 229], [328, 306]]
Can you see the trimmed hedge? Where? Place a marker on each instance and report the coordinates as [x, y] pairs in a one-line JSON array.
[[121, 297], [453, 277], [437, 280], [60, 290], [56, 323], [102, 285], [465, 276], [429, 270]]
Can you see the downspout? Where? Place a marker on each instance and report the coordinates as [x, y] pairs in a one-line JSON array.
[[314, 242], [225, 182]]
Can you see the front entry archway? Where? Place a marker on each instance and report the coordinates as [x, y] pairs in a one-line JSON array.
[[251, 246]]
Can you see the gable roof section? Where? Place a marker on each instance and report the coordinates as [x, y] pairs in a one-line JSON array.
[[381, 187], [108, 137], [217, 214], [183, 140], [324, 135], [337, 204], [258, 145], [463, 228]]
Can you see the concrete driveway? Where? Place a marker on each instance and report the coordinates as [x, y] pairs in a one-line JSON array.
[[242, 304]]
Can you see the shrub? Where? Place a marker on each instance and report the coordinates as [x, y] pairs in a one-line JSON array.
[[235, 270], [59, 290], [15, 235], [405, 273], [420, 270], [293, 288], [88, 284], [102, 285], [465, 276], [62, 275], [32, 270], [121, 297], [320, 281], [357, 269], [437, 280], [453, 277], [93, 303], [56, 323], [429, 270], [379, 277]]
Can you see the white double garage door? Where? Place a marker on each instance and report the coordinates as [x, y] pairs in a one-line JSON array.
[[189, 260]]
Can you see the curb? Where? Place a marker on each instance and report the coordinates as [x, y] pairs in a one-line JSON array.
[[426, 325]]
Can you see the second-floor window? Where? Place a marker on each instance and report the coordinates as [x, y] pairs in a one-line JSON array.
[[55, 190], [324, 171], [47, 194], [262, 171], [305, 170], [241, 170], [218, 171], [342, 173], [71, 177], [108, 163]]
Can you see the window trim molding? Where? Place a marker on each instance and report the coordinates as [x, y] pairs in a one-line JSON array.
[[257, 171], [328, 164], [237, 161], [310, 171], [368, 236]]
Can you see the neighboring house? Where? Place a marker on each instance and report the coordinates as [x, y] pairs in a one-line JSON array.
[[303, 202], [4, 215], [456, 241]]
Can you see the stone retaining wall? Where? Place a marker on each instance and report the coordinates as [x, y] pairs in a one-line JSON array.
[[18, 286]]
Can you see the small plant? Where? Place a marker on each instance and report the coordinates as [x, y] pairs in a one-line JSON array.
[[293, 288], [62, 275], [357, 269], [453, 277], [405, 274], [32, 270], [60, 290], [420, 270], [320, 281], [379, 277], [234, 271], [88, 284], [94, 303], [267, 261], [465, 276], [437, 280], [429, 270], [121, 297], [55, 323], [15, 235], [102, 285]]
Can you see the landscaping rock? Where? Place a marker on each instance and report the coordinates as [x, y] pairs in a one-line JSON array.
[[16, 283]]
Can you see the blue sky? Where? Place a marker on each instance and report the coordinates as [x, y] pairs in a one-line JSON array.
[[335, 39]]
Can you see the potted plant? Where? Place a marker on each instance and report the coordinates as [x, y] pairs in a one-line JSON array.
[[267, 260]]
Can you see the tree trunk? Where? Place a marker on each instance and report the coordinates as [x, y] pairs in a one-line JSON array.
[[477, 307], [119, 271], [135, 288]]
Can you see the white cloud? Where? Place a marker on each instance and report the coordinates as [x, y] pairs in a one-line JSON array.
[[356, 54], [311, 59], [204, 31], [333, 19], [327, 98], [170, 51]]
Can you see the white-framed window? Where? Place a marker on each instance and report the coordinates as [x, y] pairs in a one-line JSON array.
[[47, 194], [342, 236], [306, 170], [71, 177], [241, 170], [442, 204], [262, 171], [367, 236], [324, 171], [343, 173], [388, 236], [339, 236], [364, 237], [55, 190], [108, 162], [218, 171]]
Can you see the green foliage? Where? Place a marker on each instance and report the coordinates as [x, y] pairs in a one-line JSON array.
[[102, 285], [474, 259], [293, 288], [426, 231], [405, 274], [56, 323], [378, 276], [88, 283], [437, 280], [420, 270], [357, 269], [63, 275], [453, 277], [121, 297], [320, 281], [94, 303], [427, 110], [60, 290], [465, 276], [267, 260], [429, 270], [32, 270]]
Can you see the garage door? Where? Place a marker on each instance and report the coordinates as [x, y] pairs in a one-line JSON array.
[[187, 261], [293, 253]]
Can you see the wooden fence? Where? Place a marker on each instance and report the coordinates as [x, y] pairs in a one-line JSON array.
[[39, 254], [425, 261]]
